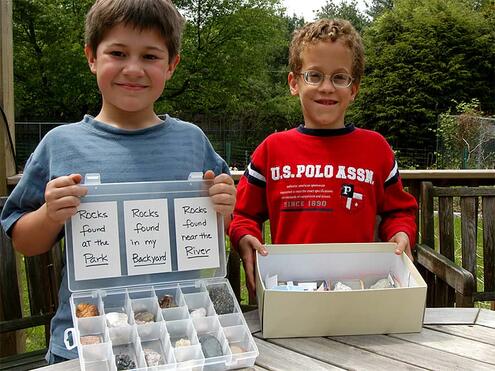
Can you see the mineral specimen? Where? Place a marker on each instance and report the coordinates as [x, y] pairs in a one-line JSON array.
[[86, 310], [152, 358], [198, 313], [167, 301], [339, 286], [124, 362], [182, 343], [236, 349], [143, 317], [116, 319], [384, 283], [89, 339], [211, 346], [221, 299]]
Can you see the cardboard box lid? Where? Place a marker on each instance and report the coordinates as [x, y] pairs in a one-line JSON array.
[[135, 234]]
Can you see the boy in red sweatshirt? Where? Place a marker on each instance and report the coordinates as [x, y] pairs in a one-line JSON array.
[[324, 181]]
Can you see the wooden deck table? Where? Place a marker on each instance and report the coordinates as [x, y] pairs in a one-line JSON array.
[[451, 339]]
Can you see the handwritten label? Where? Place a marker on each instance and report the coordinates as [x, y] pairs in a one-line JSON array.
[[147, 236], [196, 233], [95, 240]]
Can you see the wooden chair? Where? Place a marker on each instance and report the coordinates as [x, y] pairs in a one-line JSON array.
[[450, 280], [43, 274]]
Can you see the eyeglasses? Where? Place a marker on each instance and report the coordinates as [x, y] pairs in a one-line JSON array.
[[339, 80]]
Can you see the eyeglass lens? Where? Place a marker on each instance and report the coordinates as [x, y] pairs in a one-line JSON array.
[[339, 80]]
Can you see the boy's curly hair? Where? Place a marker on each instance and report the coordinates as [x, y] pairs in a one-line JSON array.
[[329, 30], [160, 15]]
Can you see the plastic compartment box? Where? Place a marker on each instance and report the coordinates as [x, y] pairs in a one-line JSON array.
[[146, 261]]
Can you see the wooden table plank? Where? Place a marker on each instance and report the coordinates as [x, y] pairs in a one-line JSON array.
[[448, 316], [412, 353], [274, 357], [453, 344], [486, 318], [478, 333], [72, 365], [253, 321], [342, 355]]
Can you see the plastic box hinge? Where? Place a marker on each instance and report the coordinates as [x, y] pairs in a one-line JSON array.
[[92, 179]]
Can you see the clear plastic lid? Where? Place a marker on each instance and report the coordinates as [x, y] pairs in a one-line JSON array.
[[144, 233]]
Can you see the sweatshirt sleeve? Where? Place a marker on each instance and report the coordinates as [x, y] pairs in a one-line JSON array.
[[251, 210], [398, 209]]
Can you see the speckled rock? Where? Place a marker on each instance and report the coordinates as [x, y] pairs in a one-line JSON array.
[[167, 301], [90, 339], [152, 358], [182, 343], [210, 345], [221, 299], [144, 317], [124, 362]]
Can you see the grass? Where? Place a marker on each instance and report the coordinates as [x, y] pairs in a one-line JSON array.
[[458, 254], [35, 336]]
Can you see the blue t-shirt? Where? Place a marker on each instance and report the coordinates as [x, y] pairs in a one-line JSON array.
[[169, 150]]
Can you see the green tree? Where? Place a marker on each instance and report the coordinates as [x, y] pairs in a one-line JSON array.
[[52, 80], [422, 55], [226, 51], [346, 10], [376, 7]]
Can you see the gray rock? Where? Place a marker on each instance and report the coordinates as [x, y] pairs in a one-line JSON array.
[[221, 299], [211, 346], [124, 362]]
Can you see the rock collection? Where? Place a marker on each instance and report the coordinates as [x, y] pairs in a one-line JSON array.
[[124, 362], [86, 310], [221, 299]]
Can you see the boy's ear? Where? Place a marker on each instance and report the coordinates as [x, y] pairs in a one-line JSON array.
[[354, 91], [293, 83], [91, 58], [172, 66]]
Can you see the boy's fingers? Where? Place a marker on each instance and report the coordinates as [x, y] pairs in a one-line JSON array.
[[224, 178], [208, 175], [254, 244], [248, 262]]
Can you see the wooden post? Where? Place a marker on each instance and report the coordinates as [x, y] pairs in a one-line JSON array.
[[7, 167], [13, 342]]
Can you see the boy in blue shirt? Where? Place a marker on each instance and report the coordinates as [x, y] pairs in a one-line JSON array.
[[133, 49]]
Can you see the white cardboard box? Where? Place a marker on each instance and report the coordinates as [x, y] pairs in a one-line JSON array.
[[329, 313]]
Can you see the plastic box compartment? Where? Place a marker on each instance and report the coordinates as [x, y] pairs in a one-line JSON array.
[[146, 267]]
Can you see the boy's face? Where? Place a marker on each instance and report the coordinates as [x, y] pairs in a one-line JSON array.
[[131, 69], [324, 106]]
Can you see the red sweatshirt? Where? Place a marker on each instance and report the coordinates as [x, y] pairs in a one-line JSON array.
[[323, 185]]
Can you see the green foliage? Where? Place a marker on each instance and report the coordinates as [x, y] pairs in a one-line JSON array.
[[52, 80], [420, 56], [345, 10], [464, 138], [376, 7]]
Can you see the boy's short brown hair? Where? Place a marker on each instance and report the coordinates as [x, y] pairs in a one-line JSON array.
[[327, 30], [141, 14]]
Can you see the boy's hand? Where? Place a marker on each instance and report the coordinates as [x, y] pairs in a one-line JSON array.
[[402, 241], [222, 192], [62, 197], [248, 244]]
